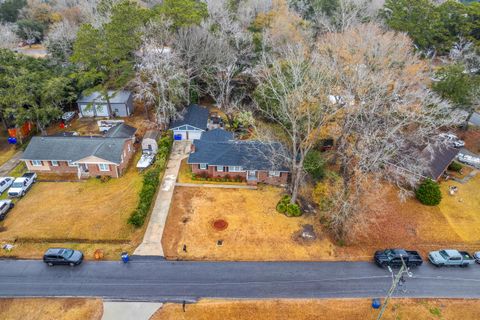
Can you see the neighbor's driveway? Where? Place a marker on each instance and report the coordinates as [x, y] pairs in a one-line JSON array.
[[152, 240], [10, 164]]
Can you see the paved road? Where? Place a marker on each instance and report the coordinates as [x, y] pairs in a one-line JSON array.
[[153, 279]]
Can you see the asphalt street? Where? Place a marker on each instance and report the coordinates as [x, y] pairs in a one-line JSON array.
[[152, 279]]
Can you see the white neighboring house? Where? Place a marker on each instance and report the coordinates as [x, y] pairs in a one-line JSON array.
[[95, 105], [191, 123]]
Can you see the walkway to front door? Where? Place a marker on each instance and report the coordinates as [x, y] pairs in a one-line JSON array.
[[152, 240]]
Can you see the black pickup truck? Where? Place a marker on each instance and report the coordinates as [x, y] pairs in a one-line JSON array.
[[393, 258]]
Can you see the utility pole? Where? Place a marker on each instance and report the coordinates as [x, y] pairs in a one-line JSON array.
[[395, 281]]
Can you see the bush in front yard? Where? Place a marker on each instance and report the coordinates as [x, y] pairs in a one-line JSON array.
[[293, 210], [428, 193], [455, 166], [290, 209]]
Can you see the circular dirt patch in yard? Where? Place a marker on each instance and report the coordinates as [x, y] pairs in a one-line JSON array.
[[220, 225]]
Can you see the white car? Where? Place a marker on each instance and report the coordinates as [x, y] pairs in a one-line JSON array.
[[5, 183], [452, 139], [68, 116]]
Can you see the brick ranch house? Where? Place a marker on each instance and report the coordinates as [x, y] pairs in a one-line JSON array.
[[217, 155], [87, 156]]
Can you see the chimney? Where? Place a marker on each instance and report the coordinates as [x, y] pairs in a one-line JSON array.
[[192, 148]]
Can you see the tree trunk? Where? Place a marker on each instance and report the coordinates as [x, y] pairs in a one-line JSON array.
[[109, 105]]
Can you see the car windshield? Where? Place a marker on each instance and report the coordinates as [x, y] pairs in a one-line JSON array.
[[17, 185], [67, 253], [444, 254]]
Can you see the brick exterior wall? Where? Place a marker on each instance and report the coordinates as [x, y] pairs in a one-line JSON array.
[[93, 169], [262, 176], [46, 167]]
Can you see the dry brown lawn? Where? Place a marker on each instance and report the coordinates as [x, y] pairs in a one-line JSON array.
[[88, 215], [48, 309], [347, 309], [256, 231], [454, 223]]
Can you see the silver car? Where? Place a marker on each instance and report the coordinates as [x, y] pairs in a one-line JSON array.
[[5, 206], [5, 183]]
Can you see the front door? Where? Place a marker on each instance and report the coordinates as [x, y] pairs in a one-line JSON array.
[[252, 175]]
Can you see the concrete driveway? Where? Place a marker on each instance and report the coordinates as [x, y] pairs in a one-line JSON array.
[[152, 240]]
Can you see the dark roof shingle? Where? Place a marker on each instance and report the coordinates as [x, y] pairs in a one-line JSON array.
[[250, 155], [74, 148], [121, 130], [438, 158], [195, 116]]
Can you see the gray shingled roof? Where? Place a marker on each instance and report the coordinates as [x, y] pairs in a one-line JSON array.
[[152, 134], [115, 97], [438, 157], [121, 130], [74, 148], [216, 135], [193, 115], [250, 155], [475, 119]]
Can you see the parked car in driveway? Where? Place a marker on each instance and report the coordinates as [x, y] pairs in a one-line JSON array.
[[450, 257], [5, 206], [452, 139], [393, 258], [5, 183], [62, 256], [21, 185], [68, 116], [476, 256]]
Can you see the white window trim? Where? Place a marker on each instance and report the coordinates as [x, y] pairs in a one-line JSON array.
[[70, 164], [54, 163], [203, 166], [274, 173], [36, 163], [220, 168], [235, 169], [101, 167]]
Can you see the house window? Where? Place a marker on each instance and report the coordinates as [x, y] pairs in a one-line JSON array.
[[71, 164], [235, 169], [274, 173], [54, 163], [36, 163], [202, 166], [103, 167], [220, 168]]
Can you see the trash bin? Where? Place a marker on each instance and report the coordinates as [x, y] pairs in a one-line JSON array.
[[125, 257], [376, 303]]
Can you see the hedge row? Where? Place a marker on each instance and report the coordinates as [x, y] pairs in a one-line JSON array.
[[151, 180], [227, 178]]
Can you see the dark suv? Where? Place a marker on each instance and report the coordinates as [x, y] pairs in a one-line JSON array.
[[63, 256]]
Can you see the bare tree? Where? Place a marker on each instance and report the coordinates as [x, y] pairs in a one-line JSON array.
[[389, 115], [60, 38], [292, 93], [348, 14], [160, 80], [8, 36]]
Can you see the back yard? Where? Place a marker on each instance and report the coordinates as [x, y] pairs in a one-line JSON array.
[[6, 150], [255, 231], [88, 215]]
